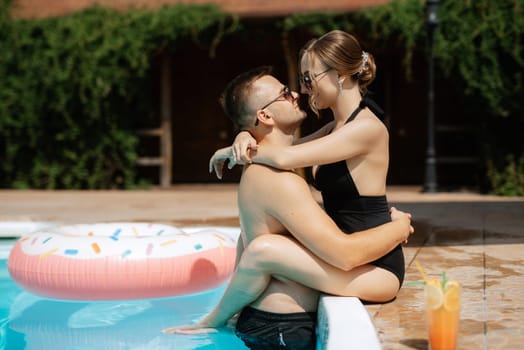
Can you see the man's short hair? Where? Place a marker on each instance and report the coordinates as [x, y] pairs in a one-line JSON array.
[[235, 98]]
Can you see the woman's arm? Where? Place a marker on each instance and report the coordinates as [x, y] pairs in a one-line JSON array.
[[323, 131], [347, 142], [245, 144]]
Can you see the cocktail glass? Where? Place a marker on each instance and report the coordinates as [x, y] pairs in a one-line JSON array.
[[442, 302]]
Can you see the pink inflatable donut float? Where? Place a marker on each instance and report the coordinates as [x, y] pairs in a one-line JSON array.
[[118, 261]]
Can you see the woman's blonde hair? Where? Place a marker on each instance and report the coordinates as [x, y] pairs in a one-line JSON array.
[[342, 52]]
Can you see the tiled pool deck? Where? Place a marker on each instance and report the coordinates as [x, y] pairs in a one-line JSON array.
[[478, 240]]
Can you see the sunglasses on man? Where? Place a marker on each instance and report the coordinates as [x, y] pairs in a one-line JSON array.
[[285, 95]]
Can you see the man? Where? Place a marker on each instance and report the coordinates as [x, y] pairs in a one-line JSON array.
[[279, 215]]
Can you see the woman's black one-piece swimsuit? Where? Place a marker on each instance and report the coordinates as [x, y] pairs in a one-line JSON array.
[[353, 212]]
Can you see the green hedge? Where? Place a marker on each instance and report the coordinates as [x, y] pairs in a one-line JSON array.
[[509, 180], [69, 86]]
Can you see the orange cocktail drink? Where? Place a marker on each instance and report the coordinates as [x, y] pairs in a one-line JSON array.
[[443, 313]]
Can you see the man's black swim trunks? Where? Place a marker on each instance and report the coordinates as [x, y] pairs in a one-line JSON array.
[[261, 330]]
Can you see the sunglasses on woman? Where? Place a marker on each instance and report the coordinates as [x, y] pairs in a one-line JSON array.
[[307, 80]]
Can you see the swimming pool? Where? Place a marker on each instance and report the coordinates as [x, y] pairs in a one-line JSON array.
[[31, 322]]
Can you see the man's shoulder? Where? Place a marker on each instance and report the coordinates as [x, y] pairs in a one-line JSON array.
[[272, 178], [273, 192], [255, 170]]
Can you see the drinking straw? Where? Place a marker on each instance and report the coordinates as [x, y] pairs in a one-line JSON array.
[[421, 271], [444, 279]]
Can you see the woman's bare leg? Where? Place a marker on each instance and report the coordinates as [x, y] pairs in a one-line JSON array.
[[284, 258]]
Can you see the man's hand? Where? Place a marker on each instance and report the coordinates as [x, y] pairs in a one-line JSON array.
[[406, 217], [189, 329], [218, 160], [237, 154]]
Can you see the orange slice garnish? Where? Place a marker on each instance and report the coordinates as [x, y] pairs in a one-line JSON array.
[[433, 294], [452, 296]]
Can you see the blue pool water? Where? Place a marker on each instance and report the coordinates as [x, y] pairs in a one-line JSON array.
[[31, 322]]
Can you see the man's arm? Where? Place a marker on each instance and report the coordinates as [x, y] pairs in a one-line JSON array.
[[240, 246], [292, 203], [219, 159]]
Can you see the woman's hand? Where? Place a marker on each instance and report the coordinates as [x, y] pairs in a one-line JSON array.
[[218, 160], [243, 145], [406, 217]]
